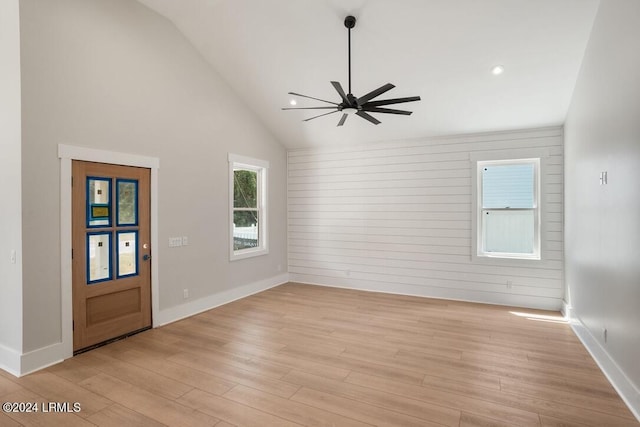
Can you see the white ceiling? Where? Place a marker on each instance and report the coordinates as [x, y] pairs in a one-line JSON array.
[[441, 50]]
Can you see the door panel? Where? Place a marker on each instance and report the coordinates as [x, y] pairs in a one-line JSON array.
[[111, 252]]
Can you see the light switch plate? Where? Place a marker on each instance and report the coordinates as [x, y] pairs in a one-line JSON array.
[[603, 178]]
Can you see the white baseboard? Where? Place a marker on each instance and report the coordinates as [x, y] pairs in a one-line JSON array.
[[566, 310], [22, 364], [616, 376], [41, 358], [173, 314], [10, 360], [515, 300]]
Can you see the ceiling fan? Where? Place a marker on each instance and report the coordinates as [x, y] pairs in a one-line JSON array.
[[350, 104]]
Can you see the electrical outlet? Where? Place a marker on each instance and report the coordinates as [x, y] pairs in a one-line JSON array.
[[185, 293], [509, 284]]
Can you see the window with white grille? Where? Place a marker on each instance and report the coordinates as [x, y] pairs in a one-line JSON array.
[[248, 206], [508, 208]]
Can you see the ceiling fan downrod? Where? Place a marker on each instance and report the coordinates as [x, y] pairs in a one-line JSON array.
[[349, 22]]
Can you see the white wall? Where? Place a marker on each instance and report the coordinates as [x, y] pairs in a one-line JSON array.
[[603, 222], [397, 217], [113, 75], [10, 191]]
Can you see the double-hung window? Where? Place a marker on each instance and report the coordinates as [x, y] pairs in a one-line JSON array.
[[248, 203], [508, 213]]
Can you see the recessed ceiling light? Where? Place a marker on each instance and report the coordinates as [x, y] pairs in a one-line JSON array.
[[497, 70], [293, 102]]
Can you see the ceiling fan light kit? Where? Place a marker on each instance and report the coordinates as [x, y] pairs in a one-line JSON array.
[[350, 104]]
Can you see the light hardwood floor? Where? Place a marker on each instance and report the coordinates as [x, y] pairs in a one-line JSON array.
[[306, 355]]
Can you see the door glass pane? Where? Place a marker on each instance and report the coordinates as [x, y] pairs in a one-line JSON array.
[[127, 253], [508, 186], [245, 189], [508, 231], [98, 257], [127, 193], [98, 202], [245, 229]]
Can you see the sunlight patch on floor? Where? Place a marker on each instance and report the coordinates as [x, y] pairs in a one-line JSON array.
[[540, 317]]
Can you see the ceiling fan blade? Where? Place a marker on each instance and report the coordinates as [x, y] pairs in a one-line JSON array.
[[340, 91], [374, 93], [311, 97], [342, 119], [307, 108], [386, 110], [325, 114], [391, 101], [368, 117]]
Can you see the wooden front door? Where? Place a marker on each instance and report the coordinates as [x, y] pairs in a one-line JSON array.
[[111, 252]]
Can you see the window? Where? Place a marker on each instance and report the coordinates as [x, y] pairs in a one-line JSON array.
[[248, 202], [508, 223]]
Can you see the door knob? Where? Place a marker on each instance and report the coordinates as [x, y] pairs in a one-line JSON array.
[[146, 257]]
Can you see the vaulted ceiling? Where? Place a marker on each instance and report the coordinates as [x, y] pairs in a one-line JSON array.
[[441, 50]]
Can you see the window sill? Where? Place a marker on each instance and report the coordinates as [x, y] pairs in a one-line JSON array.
[[509, 256], [248, 253], [510, 261]]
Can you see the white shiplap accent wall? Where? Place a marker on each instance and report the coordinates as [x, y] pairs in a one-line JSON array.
[[396, 217]]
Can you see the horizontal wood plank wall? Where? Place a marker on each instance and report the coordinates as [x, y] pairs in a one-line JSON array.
[[396, 217]]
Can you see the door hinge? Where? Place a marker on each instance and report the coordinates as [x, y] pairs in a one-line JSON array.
[[72, 181], [71, 253], [73, 325]]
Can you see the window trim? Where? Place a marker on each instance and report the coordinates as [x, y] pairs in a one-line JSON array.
[[506, 157], [262, 168]]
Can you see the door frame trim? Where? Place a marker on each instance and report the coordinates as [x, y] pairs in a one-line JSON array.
[[66, 154]]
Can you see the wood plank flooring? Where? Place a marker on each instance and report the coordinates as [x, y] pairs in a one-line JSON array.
[[300, 355]]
